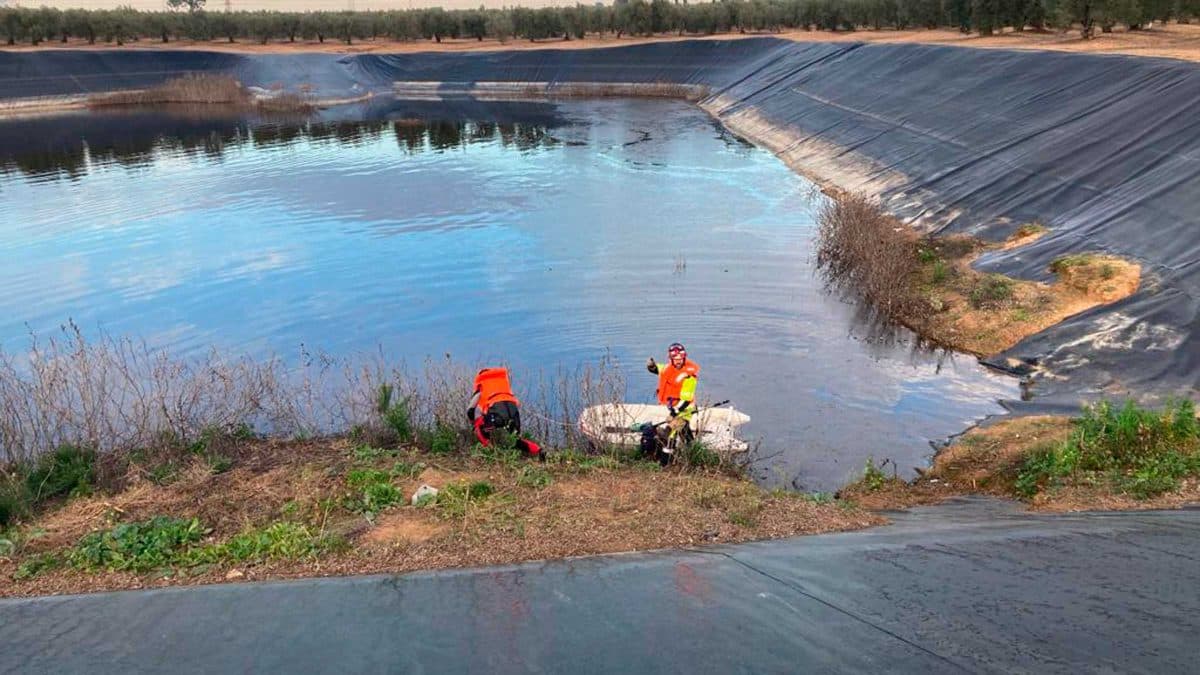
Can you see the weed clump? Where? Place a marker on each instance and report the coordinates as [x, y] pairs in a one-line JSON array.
[[372, 491], [137, 547], [873, 476], [534, 477], [163, 543], [456, 499], [277, 541], [991, 291], [441, 440], [698, 455], [1141, 452], [1028, 230], [396, 416]]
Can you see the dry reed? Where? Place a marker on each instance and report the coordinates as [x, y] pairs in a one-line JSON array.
[[120, 394], [205, 89]]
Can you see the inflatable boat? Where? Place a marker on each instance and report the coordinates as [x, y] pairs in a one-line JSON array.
[[618, 425]]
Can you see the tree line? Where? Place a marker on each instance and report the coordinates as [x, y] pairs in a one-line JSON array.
[[188, 20]]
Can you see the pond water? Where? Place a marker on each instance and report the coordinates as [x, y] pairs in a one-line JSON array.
[[537, 234]]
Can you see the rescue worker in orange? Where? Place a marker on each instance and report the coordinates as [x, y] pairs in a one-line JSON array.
[[493, 406], [677, 381]]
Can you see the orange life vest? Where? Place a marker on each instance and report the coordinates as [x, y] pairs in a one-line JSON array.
[[493, 387], [670, 380]]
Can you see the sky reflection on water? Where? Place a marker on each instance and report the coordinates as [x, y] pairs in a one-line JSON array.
[[537, 234]]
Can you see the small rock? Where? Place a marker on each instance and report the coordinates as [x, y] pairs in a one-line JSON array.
[[234, 574], [422, 492]]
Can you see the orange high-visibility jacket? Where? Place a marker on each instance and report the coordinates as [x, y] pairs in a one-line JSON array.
[[493, 386], [677, 384]]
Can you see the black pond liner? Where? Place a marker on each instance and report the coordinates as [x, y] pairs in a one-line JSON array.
[[1103, 149]]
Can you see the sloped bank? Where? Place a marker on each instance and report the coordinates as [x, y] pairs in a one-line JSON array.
[[1104, 150]]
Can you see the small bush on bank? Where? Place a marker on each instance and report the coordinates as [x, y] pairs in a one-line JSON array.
[[396, 416], [1142, 452], [68, 469], [441, 440], [14, 499]]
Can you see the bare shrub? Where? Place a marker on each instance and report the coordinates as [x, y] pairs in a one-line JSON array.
[[865, 251]]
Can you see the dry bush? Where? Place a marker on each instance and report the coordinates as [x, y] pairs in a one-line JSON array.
[[863, 250], [119, 394]]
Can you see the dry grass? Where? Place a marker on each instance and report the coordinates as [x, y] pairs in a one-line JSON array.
[[628, 90], [205, 89], [583, 506], [930, 286]]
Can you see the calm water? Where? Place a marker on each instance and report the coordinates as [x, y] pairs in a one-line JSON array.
[[537, 234]]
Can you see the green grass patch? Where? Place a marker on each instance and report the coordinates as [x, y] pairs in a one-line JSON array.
[[36, 564], [138, 547], [991, 290], [371, 491], [939, 272], [164, 543], [698, 455], [1066, 262], [367, 453], [456, 499], [534, 477], [579, 462], [1141, 452], [277, 541], [1030, 229]]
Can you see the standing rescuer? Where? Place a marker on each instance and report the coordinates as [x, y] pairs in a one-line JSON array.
[[676, 390], [493, 407]]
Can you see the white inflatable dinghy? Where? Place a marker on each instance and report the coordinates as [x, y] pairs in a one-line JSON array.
[[615, 425]]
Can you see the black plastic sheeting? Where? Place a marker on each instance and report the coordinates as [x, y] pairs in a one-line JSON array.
[[1105, 150], [967, 587]]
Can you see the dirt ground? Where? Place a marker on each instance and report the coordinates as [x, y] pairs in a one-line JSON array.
[[580, 506], [1175, 41], [957, 318]]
